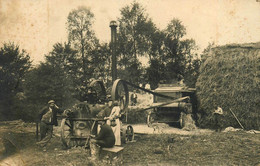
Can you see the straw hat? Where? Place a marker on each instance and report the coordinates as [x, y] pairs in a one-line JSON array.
[[51, 101], [219, 111]]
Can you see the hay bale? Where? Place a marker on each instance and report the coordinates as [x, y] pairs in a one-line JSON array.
[[230, 78]]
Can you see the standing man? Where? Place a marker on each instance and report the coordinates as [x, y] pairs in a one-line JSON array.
[[218, 113], [134, 98], [48, 118]]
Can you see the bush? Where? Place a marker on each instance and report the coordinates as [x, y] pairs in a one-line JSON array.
[[134, 116]]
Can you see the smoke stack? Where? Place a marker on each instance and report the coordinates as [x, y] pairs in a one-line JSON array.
[[113, 26]]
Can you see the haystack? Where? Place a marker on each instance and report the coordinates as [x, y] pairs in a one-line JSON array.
[[230, 78]]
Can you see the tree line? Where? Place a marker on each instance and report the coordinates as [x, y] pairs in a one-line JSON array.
[[70, 66]]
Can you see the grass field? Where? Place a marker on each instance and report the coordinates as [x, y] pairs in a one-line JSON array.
[[224, 148]]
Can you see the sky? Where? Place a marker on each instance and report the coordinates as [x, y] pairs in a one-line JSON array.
[[36, 25]]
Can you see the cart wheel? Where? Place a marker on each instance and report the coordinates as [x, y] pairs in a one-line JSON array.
[[130, 133], [66, 132], [120, 93], [123, 135]]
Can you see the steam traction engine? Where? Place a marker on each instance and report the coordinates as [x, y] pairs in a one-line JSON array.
[[81, 120]]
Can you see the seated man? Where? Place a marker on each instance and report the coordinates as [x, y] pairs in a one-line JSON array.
[[106, 137]]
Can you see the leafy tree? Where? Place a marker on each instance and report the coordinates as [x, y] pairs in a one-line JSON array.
[[205, 53], [14, 63], [157, 50], [134, 39], [101, 63], [81, 35], [56, 79], [192, 62], [174, 57], [192, 73], [155, 73]]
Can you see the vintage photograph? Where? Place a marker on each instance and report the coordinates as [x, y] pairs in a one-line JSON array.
[[129, 82]]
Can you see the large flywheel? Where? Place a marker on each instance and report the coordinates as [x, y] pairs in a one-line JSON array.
[[99, 89], [120, 93]]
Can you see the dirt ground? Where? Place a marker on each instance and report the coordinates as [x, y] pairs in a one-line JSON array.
[[161, 146]]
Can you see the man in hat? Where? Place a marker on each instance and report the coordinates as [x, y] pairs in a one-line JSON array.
[[48, 118]]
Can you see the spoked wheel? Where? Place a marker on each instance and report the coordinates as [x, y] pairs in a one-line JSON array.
[[120, 93], [99, 88], [123, 135], [129, 133], [150, 118], [66, 133]]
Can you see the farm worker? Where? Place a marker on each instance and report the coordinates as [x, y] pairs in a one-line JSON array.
[[141, 86], [218, 113], [106, 111], [115, 122], [134, 98], [105, 139], [48, 118], [147, 86]]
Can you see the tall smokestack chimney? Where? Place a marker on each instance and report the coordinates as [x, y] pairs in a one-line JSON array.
[[113, 26]]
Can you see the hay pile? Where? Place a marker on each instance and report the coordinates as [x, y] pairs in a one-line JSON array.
[[230, 78]]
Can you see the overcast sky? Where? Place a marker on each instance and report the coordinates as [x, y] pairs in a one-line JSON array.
[[36, 25]]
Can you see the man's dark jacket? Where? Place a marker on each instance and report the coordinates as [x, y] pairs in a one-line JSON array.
[[106, 134], [54, 114]]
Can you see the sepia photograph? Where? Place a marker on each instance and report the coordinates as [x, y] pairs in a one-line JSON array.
[[129, 82]]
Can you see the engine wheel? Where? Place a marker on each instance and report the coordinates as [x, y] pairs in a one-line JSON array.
[[66, 133], [100, 90], [120, 93]]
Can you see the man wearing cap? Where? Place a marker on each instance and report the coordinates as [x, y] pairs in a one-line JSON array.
[[48, 118]]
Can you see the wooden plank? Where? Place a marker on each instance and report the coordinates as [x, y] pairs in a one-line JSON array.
[[114, 149]]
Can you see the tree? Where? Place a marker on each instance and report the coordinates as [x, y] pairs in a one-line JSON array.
[[134, 39], [14, 64], [205, 53], [101, 63], [56, 79], [155, 73], [174, 57], [81, 35]]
